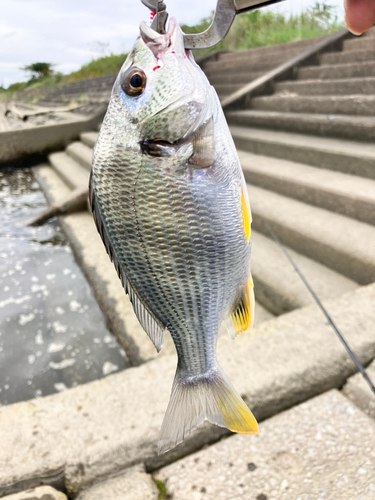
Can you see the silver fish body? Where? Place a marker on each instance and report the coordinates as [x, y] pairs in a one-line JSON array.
[[169, 200]]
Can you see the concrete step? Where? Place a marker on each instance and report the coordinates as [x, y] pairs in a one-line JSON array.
[[277, 285], [71, 172], [337, 71], [81, 153], [89, 138], [344, 156], [260, 66], [131, 484], [224, 90], [370, 33], [283, 49], [359, 128], [322, 448], [349, 56], [338, 242], [362, 43], [255, 62], [238, 77], [360, 393], [364, 85], [348, 195], [363, 105]]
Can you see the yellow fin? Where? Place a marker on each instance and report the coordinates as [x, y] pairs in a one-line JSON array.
[[243, 315], [237, 416], [246, 215]]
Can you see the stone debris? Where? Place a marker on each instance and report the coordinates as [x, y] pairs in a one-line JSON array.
[[324, 448], [133, 484], [358, 391], [41, 493]]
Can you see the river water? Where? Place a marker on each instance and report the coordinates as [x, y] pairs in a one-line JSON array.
[[53, 335]]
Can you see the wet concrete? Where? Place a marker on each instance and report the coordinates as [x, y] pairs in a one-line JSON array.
[[52, 333]]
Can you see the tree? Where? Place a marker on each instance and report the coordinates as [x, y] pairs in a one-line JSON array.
[[39, 70]]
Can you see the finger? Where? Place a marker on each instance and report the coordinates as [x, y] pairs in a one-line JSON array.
[[359, 15]]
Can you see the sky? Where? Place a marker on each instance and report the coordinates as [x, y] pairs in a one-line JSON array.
[[69, 33]]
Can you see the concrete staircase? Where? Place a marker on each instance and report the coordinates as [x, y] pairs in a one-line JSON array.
[[229, 71], [309, 162], [335, 98]]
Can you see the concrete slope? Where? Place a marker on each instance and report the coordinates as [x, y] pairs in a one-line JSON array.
[[341, 243], [345, 156], [346, 194]]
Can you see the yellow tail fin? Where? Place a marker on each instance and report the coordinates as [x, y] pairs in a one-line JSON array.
[[208, 396]]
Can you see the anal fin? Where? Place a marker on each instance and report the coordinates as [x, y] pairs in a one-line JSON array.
[[242, 317], [151, 325]]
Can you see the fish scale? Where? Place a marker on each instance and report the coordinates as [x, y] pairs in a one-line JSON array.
[[171, 215]]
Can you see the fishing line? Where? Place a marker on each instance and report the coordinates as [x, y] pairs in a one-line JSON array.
[[323, 309]]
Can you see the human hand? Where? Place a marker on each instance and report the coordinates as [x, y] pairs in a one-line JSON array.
[[359, 15]]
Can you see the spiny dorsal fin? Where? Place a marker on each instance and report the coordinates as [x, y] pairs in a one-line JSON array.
[[151, 325], [242, 317]]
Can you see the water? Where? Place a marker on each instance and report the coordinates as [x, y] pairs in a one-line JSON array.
[[52, 333]]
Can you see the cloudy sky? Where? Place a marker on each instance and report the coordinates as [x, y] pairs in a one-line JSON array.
[[69, 33]]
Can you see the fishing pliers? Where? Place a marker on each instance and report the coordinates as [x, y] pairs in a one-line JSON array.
[[226, 11]]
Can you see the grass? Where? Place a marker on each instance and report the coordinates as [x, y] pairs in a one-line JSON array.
[[97, 67], [260, 28], [162, 490], [253, 29]]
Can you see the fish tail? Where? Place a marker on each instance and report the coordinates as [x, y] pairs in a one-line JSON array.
[[210, 397]]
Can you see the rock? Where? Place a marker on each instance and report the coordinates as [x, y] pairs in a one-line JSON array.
[[41, 493], [359, 392], [133, 484], [324, 448]]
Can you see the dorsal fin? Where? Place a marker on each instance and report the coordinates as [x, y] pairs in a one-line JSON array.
[[151, 325], [242, 316]]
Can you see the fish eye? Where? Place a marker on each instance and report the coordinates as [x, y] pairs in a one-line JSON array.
[[134, 82]]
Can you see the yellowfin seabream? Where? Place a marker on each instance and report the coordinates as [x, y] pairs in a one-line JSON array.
[[170, 202]]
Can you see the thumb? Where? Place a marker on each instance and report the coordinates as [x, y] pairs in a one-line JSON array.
[[359, 15]]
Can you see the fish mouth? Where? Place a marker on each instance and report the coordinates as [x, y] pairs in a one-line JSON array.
[[199, 145], [160, 148]]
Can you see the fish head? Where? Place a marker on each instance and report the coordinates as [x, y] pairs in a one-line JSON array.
[[161, 96]]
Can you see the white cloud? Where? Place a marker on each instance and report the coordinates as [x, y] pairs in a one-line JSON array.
[[63, 32]]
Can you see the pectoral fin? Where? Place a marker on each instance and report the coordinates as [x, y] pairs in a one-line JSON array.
[[242, 316], [203, 147]]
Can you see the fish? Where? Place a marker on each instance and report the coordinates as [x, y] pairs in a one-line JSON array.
[[169, 200]]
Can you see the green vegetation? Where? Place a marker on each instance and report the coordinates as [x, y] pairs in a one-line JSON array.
[[39, 70], [253, 29], [259, 28], [99, 67], [162, 490]]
